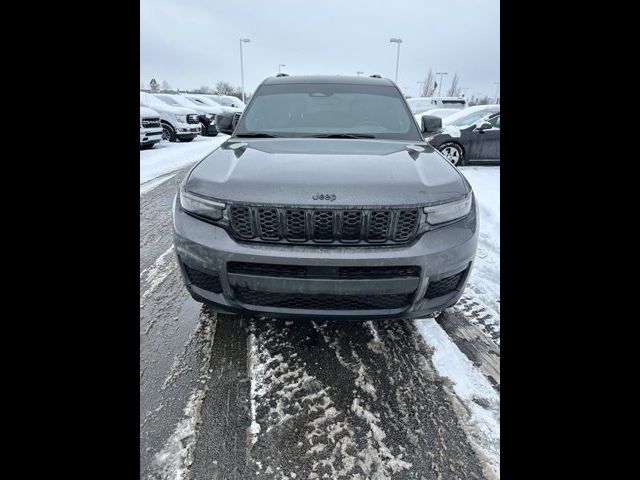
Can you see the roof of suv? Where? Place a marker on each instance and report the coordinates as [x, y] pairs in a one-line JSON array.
[[346, 79]]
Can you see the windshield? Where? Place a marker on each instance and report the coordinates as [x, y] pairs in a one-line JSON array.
[[465, 118], [305, 110]]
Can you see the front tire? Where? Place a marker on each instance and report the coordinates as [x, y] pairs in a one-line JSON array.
[[453, 152], [168, 133]]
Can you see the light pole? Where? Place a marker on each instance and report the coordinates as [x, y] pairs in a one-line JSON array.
[[281, 65], [359, 73], [497, 84], [398, 41], [242, 40], [440, 86]]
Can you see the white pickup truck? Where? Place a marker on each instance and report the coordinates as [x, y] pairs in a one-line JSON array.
[[178, 123], [150, 128]]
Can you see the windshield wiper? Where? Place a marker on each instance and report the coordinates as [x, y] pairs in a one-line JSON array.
[[342, 135], [257, 135]]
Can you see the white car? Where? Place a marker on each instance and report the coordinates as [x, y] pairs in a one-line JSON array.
[[150, 128], [178, 123], [206, 113]]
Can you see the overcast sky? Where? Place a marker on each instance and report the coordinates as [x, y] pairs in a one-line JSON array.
[[191, 43]]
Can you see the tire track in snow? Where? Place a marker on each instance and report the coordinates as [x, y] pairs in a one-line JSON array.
[[350, 400]]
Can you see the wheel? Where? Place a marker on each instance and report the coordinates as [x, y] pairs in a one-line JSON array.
[[453, 152], [168, 133]]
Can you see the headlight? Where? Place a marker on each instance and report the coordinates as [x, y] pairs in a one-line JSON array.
[[201, 206], [181, 118], [447, 212]]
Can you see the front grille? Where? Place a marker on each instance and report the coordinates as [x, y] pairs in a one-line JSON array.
[[444, 286], [320, 226], [301, 271], [150, 122], [191, 118], [203, 280], [322, 301]]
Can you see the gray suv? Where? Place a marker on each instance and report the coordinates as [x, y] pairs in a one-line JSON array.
[[326, 202]]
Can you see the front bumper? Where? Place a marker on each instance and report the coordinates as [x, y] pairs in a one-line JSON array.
[[187, 130], [209, 126], [150, 135], [439, 253]]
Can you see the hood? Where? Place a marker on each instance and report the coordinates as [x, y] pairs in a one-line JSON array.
[[147, 112], [358, 172], [175, 110]]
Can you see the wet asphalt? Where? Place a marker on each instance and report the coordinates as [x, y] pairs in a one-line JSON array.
[[282, 399]]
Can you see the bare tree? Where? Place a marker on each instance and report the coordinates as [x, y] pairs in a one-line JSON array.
[[429, 86], [454, 89], [165, 86]]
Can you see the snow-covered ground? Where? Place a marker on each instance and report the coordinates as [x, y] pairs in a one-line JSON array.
[[165, 157], [481, 305]]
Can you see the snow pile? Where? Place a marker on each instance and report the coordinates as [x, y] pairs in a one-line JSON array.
[[165, 157], [484, 284], [481, 415]]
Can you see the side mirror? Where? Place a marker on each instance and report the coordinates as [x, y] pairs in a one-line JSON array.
[[431, 123], [226, 122], [480, 126]]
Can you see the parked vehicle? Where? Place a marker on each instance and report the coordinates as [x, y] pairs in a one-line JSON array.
[[150, 128], [469, 136], [178, 123], [422, 104], [438, 112], [228, 101], [326, 202], [205, 100], [206, 113]]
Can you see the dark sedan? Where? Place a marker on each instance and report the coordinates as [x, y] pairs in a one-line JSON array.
[[471, 137]]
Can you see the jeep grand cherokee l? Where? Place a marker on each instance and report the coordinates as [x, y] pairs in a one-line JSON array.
[[326, 202]]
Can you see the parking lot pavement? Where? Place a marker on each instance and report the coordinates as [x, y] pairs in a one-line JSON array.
[[230, 397]]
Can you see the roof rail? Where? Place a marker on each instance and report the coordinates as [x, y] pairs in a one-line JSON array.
[[282, 75], [375, 76]]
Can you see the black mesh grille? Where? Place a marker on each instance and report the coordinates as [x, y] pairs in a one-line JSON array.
[[150, 122], [444, 286], [406, 225], [296, 225], [266, 269], [268, 225], [378, 228], [351, 226], [323, 225], [299, 225], [275, 270], [241, 221], [322, 301], [191, 118], [203, 280], [378, 272]]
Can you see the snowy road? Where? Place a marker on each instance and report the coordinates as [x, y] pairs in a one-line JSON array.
[[225, 398]]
